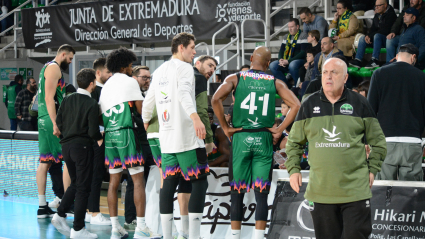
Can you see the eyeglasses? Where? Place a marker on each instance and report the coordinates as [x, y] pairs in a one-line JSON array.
[[380, 5], [145, 78]]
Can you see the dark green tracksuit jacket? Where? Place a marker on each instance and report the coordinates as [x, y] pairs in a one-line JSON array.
[[339, 170], [201, 94]]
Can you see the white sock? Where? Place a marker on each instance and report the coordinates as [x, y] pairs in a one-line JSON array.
[[259, 234], [115, 223], [236, 234], [195, 225], [42, 200], [185, 224], [141, 222], [167, 221]]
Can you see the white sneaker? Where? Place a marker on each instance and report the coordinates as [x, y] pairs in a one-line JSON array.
[[87, 218], [99, 219], [119, 233], [182, 236], [83, 233], [145, 233], [55, 203], [61, 225]]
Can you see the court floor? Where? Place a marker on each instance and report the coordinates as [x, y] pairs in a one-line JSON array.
[[18, 219]]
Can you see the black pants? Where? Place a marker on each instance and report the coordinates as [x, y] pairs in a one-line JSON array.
[[79, 160], [27, 125], [342, 221], [99, 171], [129, 207], [56, 176]]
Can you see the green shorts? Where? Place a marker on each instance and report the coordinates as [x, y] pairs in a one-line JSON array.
[[252, 163], [121, 151], [190, 164], [156, 151], [48, 144]]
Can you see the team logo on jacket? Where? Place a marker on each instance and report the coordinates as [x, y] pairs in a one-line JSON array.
[[254, 123], [316, 110], [346, 109], [165, 116], [331, 136]]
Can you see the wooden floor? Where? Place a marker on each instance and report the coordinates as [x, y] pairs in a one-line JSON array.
[[104, 206]]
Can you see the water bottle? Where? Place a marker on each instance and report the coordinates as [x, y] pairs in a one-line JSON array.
[[123, 190]]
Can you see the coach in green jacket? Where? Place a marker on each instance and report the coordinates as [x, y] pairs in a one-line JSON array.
[[334, 121], [204, 68]]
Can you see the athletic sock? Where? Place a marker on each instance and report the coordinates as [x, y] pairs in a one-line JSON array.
[[195, 225], [141, 222], [167, 221], [185, 224], [42, 200], [236, 234], [115, 223], [259, 234]]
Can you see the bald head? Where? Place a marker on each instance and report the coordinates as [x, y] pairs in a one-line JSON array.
[[338, 63], [334, 76], [262, 56]]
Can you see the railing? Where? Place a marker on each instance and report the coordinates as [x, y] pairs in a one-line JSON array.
[[251, 38], [205, 45], [233, 40]]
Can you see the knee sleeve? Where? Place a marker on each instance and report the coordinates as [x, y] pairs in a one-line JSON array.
[[261, 211], [197, 198], [236, 206], [184, 186], [166, 196]]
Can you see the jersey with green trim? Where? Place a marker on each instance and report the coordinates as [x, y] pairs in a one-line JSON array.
[[118, 117], [254, 100], [59, 95]]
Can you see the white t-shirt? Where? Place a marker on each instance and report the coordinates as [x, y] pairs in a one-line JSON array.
[[173, 92]]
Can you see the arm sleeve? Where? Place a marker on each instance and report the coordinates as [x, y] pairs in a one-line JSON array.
[[373, 29], [373, 94], [59, 121], [149, 104], [353, 25], [397, 24], [93, 118], [322, 27], [281, 51], [18, 103], [295, 144], [202, 109], [186, 79], [421, 36], [386, 28], [375, 138]]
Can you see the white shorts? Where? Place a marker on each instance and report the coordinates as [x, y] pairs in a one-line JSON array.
[[131, 171]]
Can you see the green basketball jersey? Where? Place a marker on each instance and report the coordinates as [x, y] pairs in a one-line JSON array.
[[118, 117], [11, 98], [255, 95], [60, 91]]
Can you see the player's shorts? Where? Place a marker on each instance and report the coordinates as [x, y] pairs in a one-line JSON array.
[[251, 164], [48, 144], [121, 151], [156, 151], [191, 164]]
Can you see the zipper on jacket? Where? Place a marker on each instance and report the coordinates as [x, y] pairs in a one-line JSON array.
[[333, 114]]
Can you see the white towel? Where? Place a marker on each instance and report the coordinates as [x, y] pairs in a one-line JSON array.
[[118, 89]]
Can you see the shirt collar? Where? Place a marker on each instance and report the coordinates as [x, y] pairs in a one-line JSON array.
[[83, 92], [99, 84]]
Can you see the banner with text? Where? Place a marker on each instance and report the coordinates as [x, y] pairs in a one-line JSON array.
[[396, 211], [106, 22]]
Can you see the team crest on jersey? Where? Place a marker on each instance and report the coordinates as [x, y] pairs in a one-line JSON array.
[[316, 110], [165, 116], [346, 109]]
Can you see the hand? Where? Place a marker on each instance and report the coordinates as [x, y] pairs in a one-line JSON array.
[[335, 38], [19, 117], [367, 150], [281, 62], [296, 181], [146, 125], [367, 40], [306, 65], [33, 98], [100, 142], [393, 60], [199, 128], [276, 134], [210, 147], [371, 179], [391, 36], [282, 166], [285, 62], [301, 85], [56, 131], [229, 131], [336, 16]]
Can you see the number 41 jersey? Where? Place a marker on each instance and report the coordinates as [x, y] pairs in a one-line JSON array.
[[255, 95]]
